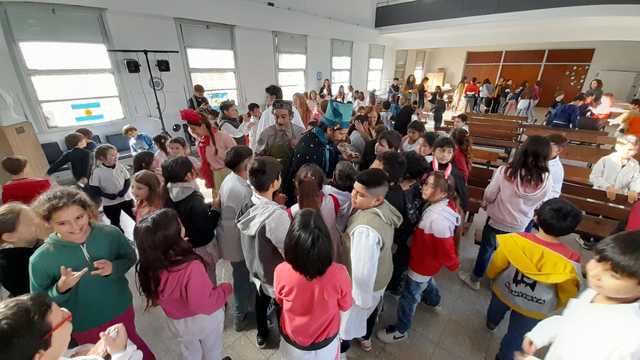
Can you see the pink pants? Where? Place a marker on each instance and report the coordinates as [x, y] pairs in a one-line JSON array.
[[127, 319]]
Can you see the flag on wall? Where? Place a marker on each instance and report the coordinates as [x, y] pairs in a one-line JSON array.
[[87, 111]]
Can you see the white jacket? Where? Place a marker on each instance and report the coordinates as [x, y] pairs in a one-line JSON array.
[[609, 172]]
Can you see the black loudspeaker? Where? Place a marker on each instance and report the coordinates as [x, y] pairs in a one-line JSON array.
[[163, 65], [133, 66]]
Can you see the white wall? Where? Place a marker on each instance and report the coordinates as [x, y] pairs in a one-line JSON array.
[[318, 61], [360, 65], [256, 63]]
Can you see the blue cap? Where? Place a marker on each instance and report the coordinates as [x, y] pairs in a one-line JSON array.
[[338, 114]]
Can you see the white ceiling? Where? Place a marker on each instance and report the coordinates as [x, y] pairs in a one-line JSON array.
[[355, 12]]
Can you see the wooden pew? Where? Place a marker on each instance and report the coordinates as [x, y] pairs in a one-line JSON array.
[[577, 175], [587, 154], [581, 136], [486, 157], [498, 116]]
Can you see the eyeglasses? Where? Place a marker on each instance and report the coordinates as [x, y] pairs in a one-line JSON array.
[[67, 318]]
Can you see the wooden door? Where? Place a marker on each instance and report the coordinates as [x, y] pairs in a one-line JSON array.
[[481, 72], [519, 73]]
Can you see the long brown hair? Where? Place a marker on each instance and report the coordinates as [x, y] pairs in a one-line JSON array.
[[462, 140], [309, 181], [530, 162], [303, 108], [151, 181], [204, 114]]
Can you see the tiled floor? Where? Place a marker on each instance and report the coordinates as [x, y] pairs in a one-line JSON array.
[[454, 332]]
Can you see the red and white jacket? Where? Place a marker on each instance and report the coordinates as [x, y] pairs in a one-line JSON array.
[[432, 245]]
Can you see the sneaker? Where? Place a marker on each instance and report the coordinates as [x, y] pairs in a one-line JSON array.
[[226, 358], [343, 356], [261, 341], [390, 335], [466, 278], [365, 344]]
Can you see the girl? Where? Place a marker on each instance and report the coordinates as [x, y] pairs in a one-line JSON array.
[[313, 102], [212, 148], [486, 91], [300, 103], [462, 153], [340, 95], [111, 180], [410, 88], [595, 90], [143, 161], [177, 147], [82, 266], [309, 182], [147, 190], [513, 98], [459, 93], [311, 293], [422, 91], [443, 150], [348, 96], [505, 92], [173, 276], [18, 241], [513, 194], [325, 90], [162, 153]]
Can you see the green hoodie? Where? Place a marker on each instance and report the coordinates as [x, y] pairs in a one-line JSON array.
[[95, 299]]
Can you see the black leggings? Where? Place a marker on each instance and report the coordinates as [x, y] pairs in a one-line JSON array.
[[262, 306], [112, 212]]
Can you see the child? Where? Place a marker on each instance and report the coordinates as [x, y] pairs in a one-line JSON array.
[[263, 226], [462, 153], [18, 241], [603, 321], [534, 275], [82, 266], [360, 133], [77, 155], [443, 150], [162, 154], [414, 131], [438, 110], [146, 189], [171, 274], [88, 136], [394, 91], [311, 293], [566, 115], [556, 170], [212, 147], [513, 194], [369, 237], [254, 115], [235, 191], [138, 141], [461, 121], [386, 140], [197, 217], [177, 146], [198, 99], [341, 187], [21, 188], [144, 160], [385, 115], [110, 181], [619, 172], [629, 121], [432, 247], [425, 145]]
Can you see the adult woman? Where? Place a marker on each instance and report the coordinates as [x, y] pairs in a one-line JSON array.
[[325, 90], [409, 89], [303, 109], [422, 90], [340, 95], [486, 90], [471, 92], [434, 95], [459, 93], [507, 89], [595, 90]]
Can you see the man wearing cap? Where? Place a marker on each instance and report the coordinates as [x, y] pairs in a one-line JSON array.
[[279, 139]]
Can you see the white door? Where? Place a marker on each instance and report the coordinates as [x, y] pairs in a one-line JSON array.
[[620, 83]]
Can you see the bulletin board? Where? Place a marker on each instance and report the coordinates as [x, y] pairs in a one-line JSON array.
[[436, 79]]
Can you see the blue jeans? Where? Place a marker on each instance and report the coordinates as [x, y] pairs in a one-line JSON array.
[[241, 289], [412, 293], [519, 325], [487, 247]]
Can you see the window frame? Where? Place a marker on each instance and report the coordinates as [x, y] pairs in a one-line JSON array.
[[185, 60], [381, 70], [278, 70], [35, 113], [340, 70]]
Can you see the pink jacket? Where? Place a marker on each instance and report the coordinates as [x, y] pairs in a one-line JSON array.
[[510, 205], [186, 291]]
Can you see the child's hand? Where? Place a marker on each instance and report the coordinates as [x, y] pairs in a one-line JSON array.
[[528, 346], [632, 196], [68, 278], [611, 193], [103, 268], [115, 339]]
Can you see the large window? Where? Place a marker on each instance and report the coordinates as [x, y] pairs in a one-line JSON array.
[[63, 54], [291, 62], [210, 59], [374, 75], [418, 72], [340, 64]]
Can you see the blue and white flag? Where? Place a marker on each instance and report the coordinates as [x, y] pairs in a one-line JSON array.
[[87, 111]]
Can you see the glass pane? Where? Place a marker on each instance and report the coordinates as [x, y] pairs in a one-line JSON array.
[[340, 76], [215, 80], [59, 87], [418, 74], [373, 85], [341, 62], [63, 56], [216, 97], [210, 59], [82, 112], [374, 75], [336, 85], [375, 64], [292, 61], [286, 78], [288, 91]]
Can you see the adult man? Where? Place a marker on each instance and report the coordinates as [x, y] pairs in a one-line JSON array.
[[267, 119], [279, 139]]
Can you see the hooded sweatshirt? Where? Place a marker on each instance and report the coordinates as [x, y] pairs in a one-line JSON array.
[[344, 198], [432, 245], [197, 217], [94, 300], [263, 226], [510, 205], [532, 276]]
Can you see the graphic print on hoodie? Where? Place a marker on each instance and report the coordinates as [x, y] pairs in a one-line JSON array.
[[197, 217]]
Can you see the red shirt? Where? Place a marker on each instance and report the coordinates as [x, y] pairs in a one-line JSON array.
[[461, 163], [24, 190], [471, 88], [633, 223]]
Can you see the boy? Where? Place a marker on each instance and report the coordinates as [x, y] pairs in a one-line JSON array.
[[263, 226], [234, 192], [414, 131], [432, 247], [567, 115], [385, 115], [461, 121], [556, 170], [443, 149], [341, 187], [254, 115], [604, 321], [198, 99], [425, 145], [534, 274], [138, 141], [619, 172], [438, 110], [21, 188], [88, 136], [197, 217], [77, 155], [629, 121], [231, 124], [394, 91], [369, 238]]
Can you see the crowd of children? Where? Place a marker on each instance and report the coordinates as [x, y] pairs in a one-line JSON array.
[[321, 207]]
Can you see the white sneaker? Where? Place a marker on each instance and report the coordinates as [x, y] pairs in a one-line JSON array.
[[466, 278], [390, 335]]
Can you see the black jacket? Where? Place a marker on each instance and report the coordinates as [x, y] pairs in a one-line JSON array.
[[403, 119], [198, 217], [80, 160], [14, 269]]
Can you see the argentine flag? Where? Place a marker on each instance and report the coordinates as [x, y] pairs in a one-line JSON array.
[[87, 111]]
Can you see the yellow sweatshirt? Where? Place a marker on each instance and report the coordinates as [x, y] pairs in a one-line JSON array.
[[533, 276]]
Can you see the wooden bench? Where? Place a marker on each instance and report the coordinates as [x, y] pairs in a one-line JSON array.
[[577, 175], [486, 157], [581, 136], [587, 154], [498, 116]]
